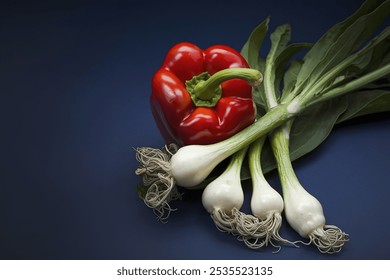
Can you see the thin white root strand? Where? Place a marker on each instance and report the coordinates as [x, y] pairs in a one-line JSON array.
[[156, 175], [329, 239], [254, 232]]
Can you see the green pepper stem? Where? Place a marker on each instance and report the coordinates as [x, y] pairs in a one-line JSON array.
[[207, 92]]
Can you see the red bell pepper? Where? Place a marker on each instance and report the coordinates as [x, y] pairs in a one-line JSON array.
[[202, 96]]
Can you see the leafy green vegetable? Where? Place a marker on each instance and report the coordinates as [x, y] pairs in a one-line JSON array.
[[338, 64], [251, 48], [365, 103], [251, 52], [279, 41], [282, 62], [290, 78], [339, 42], [309, 130]]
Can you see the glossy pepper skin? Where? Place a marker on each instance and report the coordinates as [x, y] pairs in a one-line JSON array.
[[179, 120]]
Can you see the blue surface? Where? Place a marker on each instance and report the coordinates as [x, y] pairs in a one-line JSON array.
[[74, 88]]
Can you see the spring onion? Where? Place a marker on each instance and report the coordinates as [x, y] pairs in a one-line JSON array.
[[303, 211], [223, 197], [266, 203]]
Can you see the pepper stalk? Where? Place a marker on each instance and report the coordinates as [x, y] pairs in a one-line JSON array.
[[205, 90]]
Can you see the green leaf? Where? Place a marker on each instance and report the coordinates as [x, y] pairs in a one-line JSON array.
[[312, 127], [378, 55], [324, 87], [290, 78], [281, 64], [309, 130], [251, 52], [355, 84], [258, 92], [251, 49], [340, 41], [353, 36], [366, 102], [366, 59], [279, 40]]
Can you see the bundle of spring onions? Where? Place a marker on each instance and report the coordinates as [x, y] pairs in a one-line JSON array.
[[345, 74]]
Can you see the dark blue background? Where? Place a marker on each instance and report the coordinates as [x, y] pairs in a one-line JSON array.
[[74, 88]]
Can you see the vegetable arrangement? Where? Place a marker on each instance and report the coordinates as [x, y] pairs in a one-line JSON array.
[[211, 119]]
